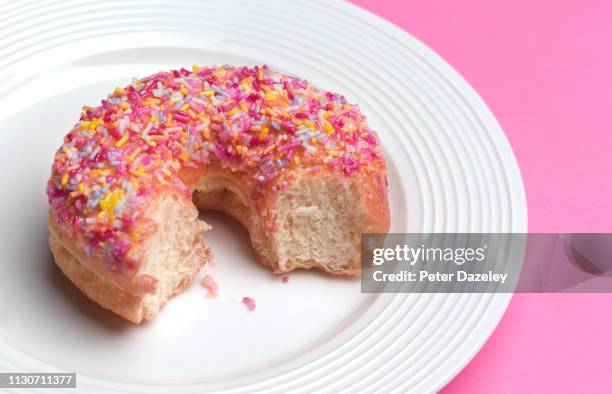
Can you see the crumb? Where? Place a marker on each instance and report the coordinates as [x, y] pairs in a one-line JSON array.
[[286, 279], [211, 286], [249, 302]]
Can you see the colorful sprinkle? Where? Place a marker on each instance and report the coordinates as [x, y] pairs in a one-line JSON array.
[[142, 138]]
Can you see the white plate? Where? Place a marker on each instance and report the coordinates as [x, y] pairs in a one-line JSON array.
[[451, 170]]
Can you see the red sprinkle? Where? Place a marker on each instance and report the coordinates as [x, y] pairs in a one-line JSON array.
[[249, 302], [181, 116], [286, 279]]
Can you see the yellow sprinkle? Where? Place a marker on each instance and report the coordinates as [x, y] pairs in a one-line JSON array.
[[328, 128], [260, 74], [81, 187], [184, 156], [184, 107], [232, 111], [124, 105], [183, 90], [123, 140], [107, 204], [194, 68], [65, 179], [118, 90], [137, 172], [296, 159], [244, 107], [95, 122], [271, 96], [209, 92], [264, 132]]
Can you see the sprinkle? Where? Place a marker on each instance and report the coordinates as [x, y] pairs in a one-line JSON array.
[[275, 125], [94, 153], [249, 302], [181, 116], [271, 96], [286, 279], [219, 91], [289, 146], [122, 141]]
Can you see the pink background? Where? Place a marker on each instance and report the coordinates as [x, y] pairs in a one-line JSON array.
[[545, 70]]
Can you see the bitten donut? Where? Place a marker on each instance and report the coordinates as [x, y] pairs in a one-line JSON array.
[[296, 165]]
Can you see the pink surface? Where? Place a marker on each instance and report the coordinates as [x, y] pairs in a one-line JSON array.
[[545, 70]]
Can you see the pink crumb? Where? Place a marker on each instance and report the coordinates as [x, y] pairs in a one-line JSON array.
[[286, 279], [249, 302], [211, 286]]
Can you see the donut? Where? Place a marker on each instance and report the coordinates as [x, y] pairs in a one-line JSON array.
[[297, 165]]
